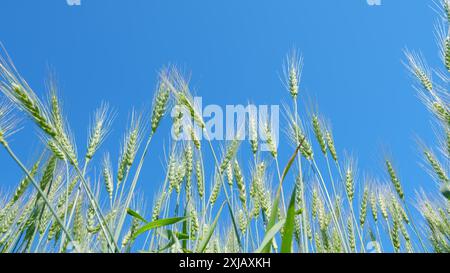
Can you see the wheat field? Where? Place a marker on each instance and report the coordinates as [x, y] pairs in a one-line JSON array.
[[63, 204]]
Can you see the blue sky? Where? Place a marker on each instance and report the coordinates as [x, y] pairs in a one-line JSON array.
[[112, 50]]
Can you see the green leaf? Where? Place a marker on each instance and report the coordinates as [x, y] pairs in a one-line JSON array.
[[267, 241], [205, 240], [158, 223], [286, 242], [136, 215], [274, 212]]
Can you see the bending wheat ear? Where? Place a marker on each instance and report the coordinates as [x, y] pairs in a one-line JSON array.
[[62, 140], [233, 219], [328, 199]]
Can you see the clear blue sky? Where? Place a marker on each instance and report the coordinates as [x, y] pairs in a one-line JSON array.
[[112, 50]]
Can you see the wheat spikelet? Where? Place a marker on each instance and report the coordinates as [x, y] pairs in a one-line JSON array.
[[394, 179], [446, 6], [194, 221], [18, 91], [418, 68], [322, 215], [266, 202], [374, 205], [195, 139], [179, 87], [292, 72], [9, 218], [199, 177], [271, 141], [336, 244], [253, 134], [215, 191], [78, 223], [299, 194], [157, 207], [297, 135], [240, 183], [91, 226], [383, 206], [130, 234], [447, 143], [349, 183], [28, 207], [99, 129], [318, 243], [395, 236], [56, 150], [108, 176], [363, 207], [256, 189], [23, 185], [330, 145], [351, 234], [189, 167], [338, 207], [180, 175], [446, 53], [242, 221], [177, 120], [172, 172], [438, 169], [314, 202], [229, 174], [130, 146], [397, 209], [229, 154], [47, 176], [441, 111], [8, 122]]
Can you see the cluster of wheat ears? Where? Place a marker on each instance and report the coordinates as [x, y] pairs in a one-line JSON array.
[[59, 206]]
